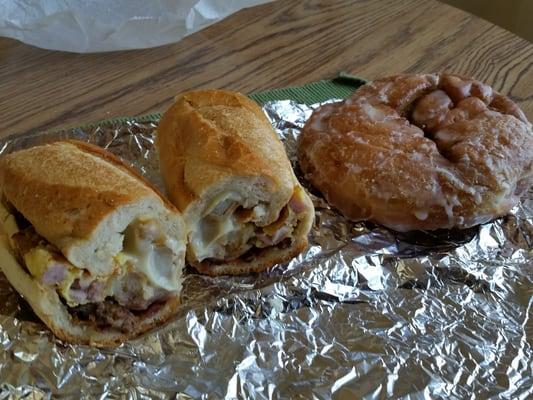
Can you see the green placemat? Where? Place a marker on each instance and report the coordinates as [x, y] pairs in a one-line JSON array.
[[340, 87], [315, 92]]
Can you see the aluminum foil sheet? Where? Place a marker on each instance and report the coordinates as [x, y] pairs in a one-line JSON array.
[[363, 313]]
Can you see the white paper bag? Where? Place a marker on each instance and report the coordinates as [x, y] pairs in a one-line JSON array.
[[103, 25]]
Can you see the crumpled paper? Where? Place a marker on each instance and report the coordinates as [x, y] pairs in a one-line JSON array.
[[104, 25], [363, 313]]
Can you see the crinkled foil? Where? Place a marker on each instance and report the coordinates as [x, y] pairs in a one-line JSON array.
[[363, 313]]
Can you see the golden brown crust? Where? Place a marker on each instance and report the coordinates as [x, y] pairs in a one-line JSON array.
[[116, 161], [266, 259], [420, 152], [210, 135], [71, 183], [105, 339]]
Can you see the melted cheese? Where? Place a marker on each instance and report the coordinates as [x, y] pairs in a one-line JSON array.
[[220, 235], [219, 230], [39, 259], [210, 231], [9, 224], [217, 205], [159, 273], [156, 262], [157, 266]]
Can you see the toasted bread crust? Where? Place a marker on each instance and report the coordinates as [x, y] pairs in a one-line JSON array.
[[66, 188], [116, 161], [208, 136]]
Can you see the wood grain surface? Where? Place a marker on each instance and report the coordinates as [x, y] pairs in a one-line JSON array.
[[287, 42]]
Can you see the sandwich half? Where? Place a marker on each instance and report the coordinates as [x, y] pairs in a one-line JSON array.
[[225, 168], [92, 247]]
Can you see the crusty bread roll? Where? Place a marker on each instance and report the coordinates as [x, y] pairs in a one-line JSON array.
[[225, 168], [94, 249], [420, 152]]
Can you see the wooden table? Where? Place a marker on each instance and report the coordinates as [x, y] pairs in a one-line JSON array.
[[288, 42]]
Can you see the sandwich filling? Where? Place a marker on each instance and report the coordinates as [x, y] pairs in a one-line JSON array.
[[145, 274], [228, 229]]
